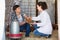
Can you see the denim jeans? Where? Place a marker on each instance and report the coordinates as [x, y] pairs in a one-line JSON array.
[[26, 27], [37, 33]]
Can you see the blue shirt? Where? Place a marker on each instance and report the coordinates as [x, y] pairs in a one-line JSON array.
[[20, 19], [14, 16]]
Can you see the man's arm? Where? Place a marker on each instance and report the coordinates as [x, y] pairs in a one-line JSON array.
[[27, 19]]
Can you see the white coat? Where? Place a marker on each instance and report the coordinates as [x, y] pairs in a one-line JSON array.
[[44, 25]]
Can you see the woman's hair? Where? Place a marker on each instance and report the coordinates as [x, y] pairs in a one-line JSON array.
[[43, 5], [15, 6]]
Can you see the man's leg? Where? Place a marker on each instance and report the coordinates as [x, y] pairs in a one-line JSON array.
[[27, 27], [22, 28]]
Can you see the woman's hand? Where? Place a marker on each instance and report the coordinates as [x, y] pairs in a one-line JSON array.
[[33, 23]]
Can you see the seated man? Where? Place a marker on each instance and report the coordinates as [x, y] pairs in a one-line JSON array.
[[20, 18]]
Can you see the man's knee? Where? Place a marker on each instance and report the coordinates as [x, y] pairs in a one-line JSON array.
[[27, 24]]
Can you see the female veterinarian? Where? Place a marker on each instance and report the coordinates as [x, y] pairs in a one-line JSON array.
[[43, 27]]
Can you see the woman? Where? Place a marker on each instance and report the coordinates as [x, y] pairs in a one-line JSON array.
[[44, 27]]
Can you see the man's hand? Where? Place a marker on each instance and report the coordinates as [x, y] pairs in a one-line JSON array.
[[22, 23]]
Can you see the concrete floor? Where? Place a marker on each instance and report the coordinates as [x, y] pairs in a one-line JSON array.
[[33, 37]]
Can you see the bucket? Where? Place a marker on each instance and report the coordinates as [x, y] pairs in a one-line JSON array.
[[15, 30]]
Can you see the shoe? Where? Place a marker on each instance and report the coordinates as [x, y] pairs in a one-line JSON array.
[[26, 35], [49, 36]]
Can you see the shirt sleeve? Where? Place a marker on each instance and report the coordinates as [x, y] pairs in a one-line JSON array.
[[44, 20], [36, 18], [40, 24]]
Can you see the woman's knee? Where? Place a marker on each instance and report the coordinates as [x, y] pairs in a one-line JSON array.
[[35, 32]]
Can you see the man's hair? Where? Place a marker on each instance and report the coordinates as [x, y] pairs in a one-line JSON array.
[[15, 6], [43, 5]]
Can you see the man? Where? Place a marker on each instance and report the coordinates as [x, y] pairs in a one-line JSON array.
[[20, 18]]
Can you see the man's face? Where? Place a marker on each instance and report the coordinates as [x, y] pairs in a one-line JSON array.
[[18, 10]]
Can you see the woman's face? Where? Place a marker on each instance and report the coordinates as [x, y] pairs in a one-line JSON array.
[[18, 10], [39, 8]]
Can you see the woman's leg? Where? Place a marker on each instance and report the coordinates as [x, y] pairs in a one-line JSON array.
[[35, 26], [40, 34]]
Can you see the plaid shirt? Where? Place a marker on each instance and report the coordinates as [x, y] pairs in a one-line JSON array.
[[12, 17]]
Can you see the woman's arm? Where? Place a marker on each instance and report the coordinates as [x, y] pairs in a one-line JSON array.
[[36, 18], [43, 20], [39, 24]]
